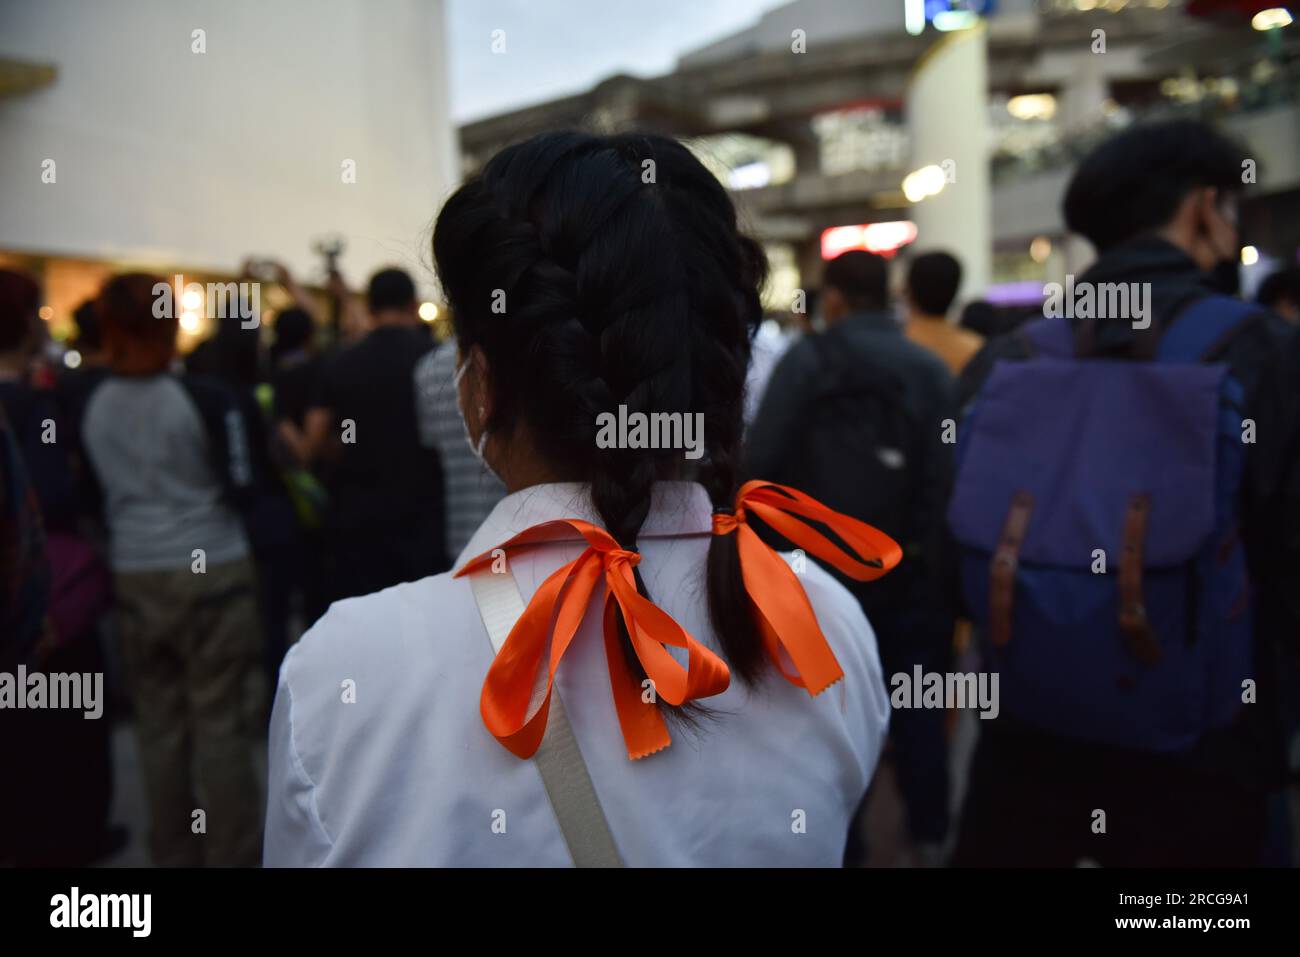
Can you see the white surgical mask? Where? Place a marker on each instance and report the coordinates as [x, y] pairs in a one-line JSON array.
[[474, 447]]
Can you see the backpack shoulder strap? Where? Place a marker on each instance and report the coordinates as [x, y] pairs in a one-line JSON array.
[[849, 370], [223, 422], [828, 357], [564, 773], [1201, 331]]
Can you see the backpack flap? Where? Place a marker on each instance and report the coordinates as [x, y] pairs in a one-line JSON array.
[[1082, 439]]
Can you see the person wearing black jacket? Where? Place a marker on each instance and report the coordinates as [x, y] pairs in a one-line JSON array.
[[855, 417], [384, 523], [1159, 204]]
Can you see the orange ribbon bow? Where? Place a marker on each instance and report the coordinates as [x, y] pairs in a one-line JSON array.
[[564, 597], [782, 612]]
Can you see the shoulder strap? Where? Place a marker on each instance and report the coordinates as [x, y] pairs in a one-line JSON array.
[[827, 356], [865, 376], [1199, 332], [227, 432], [1204, 329], [564, 773]]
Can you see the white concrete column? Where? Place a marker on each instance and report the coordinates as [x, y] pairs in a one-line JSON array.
[[947, 116]]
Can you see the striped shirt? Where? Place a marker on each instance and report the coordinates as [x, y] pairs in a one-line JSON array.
[[471, 490]]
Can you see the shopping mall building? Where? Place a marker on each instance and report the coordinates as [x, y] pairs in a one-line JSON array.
[[817, 114]]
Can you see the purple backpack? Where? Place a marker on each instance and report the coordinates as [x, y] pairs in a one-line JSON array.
[[1095, 510]]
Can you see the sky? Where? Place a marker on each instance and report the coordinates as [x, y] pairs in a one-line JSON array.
[[557, 47]]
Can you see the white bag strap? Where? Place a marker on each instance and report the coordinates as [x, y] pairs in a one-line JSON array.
[[564, 774]]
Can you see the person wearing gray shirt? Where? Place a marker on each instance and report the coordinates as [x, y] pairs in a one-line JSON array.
[[471, 489], [161, 496], [187, 621]]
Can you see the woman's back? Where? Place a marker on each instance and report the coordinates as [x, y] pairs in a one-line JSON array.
[[380, 757], [729, 705]]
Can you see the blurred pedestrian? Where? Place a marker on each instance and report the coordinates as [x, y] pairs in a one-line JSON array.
[[24, 565], [171, 454], [853, 415], [384, 524], [470, 489], [33, 410], [78, 380], [980, 318], [1125, 542], [1280, 291], [232, 356], [295, 362], [295, 370], [67, 779], [932, 283], [769, 345], [24, 624]]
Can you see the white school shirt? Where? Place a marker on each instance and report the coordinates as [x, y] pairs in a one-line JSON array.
[[379, 756]]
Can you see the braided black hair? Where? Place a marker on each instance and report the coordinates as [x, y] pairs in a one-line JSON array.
[[626, 282]]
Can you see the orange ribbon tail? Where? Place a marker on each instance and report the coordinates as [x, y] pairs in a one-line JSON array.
[[785, 618]]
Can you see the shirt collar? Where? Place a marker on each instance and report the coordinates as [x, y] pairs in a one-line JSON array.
[[879, 320], [676, 508]]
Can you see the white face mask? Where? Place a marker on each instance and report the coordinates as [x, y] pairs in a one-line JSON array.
[[474, 447]]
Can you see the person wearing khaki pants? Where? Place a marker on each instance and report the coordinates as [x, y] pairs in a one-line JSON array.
[[172, 480], [188, 642]]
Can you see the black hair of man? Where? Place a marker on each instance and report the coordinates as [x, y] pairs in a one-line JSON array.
[[87, 321], [1134, 182], [1278, 287], [862, 278], [390, 289], [932, 282]]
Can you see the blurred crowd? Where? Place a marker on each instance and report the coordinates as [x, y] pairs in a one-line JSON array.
[[176, 522]]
